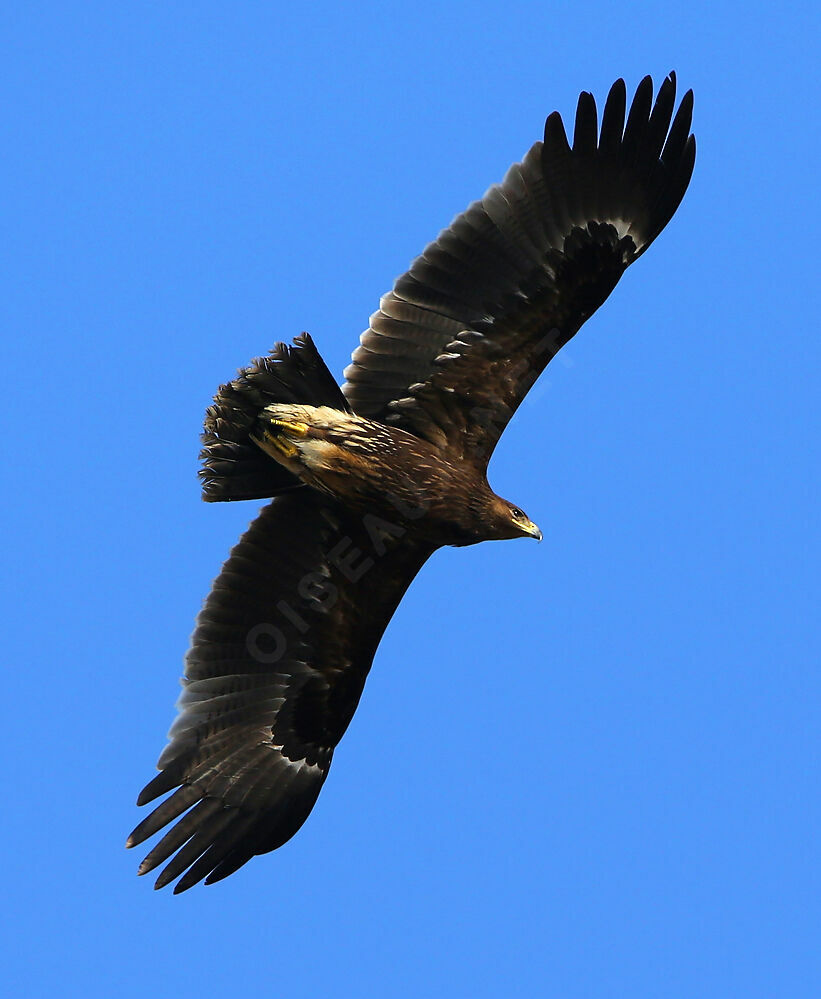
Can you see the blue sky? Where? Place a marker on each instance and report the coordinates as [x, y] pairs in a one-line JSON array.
[[582, 769]]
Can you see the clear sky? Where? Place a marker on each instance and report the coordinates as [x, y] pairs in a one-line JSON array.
[[583, 769]]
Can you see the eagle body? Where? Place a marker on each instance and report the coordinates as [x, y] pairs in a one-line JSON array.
[[387, 474], [362, 483]]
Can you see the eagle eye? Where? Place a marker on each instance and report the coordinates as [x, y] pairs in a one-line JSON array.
[[516, 513]]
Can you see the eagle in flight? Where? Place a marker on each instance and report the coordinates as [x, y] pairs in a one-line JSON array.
[[369, 479]]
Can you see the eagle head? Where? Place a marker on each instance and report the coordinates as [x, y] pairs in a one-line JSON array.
[[506, 520]]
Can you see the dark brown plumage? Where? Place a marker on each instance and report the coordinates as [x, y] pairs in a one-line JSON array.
[[369, 480]]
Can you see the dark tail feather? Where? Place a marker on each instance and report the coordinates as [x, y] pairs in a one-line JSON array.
[[234, 468]]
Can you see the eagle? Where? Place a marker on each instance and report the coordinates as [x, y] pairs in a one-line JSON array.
[[366, 481]]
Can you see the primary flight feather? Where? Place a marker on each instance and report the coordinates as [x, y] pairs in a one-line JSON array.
[[370, 479]]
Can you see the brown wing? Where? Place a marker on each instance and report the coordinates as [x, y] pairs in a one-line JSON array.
[[275, 671], [456, 345]]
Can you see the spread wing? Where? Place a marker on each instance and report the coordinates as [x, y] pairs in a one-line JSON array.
[[275, 671], [456, 345]]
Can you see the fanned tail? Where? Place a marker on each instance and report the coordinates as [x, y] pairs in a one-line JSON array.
[[234, 467]]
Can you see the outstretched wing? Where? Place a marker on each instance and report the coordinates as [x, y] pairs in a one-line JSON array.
[[275, 671], [456, 345]]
